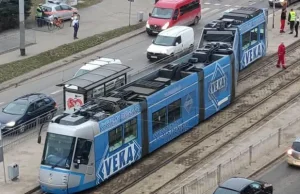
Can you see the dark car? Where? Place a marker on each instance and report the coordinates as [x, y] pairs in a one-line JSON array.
[[23, 111], [244, 186]]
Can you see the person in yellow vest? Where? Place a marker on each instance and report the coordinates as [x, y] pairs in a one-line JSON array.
[[39, 15], [291, 20]]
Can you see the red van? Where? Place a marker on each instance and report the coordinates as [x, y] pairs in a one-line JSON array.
[[168, 13]]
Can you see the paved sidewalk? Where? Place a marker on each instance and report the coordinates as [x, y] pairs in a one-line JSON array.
[[105, 16], [28, 156]]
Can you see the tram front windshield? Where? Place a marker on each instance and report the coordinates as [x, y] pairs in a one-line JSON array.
[[58, 150]]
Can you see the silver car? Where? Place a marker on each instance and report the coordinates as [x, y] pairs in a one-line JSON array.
[[293, 154], [58, 10]]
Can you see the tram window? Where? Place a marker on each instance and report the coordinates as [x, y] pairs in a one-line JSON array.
[[262, 31], [82, 152], [115, 138], [174, 111], [254, 36], [159, 119], [246, 40], [130, 130]]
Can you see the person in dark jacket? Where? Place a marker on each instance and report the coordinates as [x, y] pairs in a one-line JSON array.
[[281, 55], [297, 26], [282, 21]]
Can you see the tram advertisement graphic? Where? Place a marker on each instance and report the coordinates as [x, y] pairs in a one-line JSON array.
[[73, 101], [117, 161]]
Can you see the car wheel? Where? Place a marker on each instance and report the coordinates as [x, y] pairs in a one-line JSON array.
[[196, 20], [21, 129]]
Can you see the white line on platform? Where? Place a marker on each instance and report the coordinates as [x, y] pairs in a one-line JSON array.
[[56, 92]]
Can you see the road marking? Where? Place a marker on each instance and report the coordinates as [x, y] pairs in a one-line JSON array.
[[207, 3], [205, 9], [56, 92], [1, 103], [252, 3], [217, 4], [228, 5], [237, 6]]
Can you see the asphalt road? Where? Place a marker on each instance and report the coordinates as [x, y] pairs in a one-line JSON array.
[[131, 52], [285, 179]]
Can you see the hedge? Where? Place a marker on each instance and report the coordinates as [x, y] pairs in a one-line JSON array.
[[14, 69]]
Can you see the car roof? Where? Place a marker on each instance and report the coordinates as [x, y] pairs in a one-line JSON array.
[[297, 140], [175, 31], [168, 3], [53, 4], [236, 183], [32, 97]]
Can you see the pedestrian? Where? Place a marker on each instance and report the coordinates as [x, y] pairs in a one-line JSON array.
[[297, 26], [281, 55], [75, 25], [39, 15], [282, 21], [291, 20]]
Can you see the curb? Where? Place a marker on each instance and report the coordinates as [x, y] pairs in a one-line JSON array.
[[266, 166], [66, 61]]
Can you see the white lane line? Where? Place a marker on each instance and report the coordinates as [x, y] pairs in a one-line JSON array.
[[217, 4], [228, 5], [207, 3], [205, 10], [252, 3], [55, 92], [237, 6], [2, 103]]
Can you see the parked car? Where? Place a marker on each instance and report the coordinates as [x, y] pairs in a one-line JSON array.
[[293, 154], [238, 185], [18, 114], [166, 14], [55, 9], [281, 3], [92, 65], [173, 42]]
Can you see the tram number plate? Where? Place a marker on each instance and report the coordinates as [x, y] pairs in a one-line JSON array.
[[154, 57]]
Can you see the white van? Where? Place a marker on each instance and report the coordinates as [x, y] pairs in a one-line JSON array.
[[92, 65], [175, 41]]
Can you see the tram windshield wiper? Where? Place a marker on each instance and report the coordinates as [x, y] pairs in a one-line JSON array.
[[56, 164]]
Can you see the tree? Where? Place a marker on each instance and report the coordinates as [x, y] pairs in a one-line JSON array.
[[9, 13]]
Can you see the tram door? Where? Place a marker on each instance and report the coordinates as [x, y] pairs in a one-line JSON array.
[[83, 161]]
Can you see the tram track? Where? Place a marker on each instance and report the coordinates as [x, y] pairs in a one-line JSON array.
[[293, 68]]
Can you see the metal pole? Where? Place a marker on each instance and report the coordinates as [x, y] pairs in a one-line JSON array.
[[250, 154], [219, 174], [279, 137], [22, 27], [4, 169], [273, 14], [129, 11]]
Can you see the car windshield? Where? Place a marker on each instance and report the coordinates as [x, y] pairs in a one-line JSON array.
[[296, 146], [81, 72], [225, 191], [16, 108], [164, 40], [47, 9], [58, 150], [162, 13]]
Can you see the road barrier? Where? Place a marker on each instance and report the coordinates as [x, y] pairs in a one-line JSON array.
[[205, 183]]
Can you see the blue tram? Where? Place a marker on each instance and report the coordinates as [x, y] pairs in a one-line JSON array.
[[109, 133]]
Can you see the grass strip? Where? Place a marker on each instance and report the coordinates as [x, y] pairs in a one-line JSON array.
[[14, 69]]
